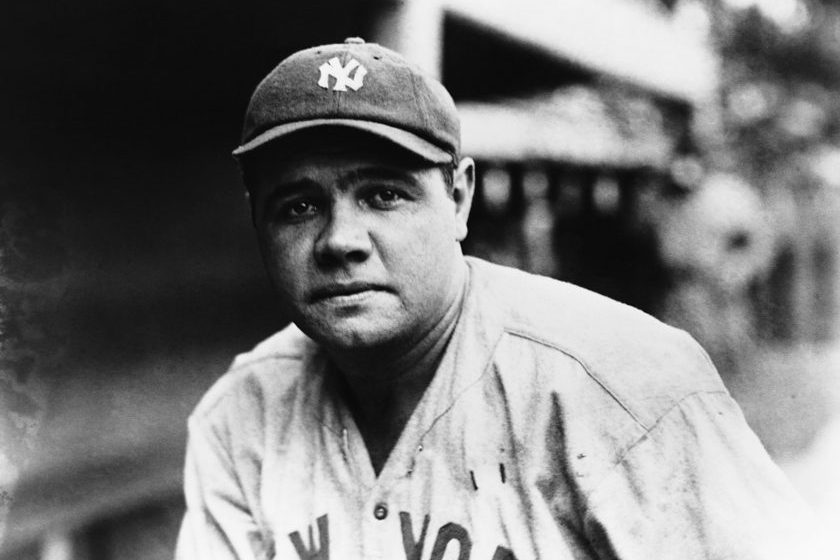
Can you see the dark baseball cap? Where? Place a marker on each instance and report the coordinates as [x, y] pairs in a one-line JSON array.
[[358, 85]]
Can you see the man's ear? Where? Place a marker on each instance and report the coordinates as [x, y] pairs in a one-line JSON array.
[[463, 188]]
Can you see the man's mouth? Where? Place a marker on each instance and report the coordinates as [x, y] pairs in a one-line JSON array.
[[346, 292]]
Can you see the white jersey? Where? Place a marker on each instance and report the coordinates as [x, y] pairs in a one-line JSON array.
[[560, 424]]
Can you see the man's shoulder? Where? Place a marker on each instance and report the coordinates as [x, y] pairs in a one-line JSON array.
[[643, 363], [288, 343], [557, 310], [268, 370]]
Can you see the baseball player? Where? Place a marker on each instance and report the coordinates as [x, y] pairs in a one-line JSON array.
[[426, 405]]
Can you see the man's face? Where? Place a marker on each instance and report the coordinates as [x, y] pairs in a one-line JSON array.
[[362, 246]]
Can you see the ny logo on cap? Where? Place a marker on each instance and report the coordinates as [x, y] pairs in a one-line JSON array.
[[342, 74]]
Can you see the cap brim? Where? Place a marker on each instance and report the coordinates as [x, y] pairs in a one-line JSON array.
[[398, 136]]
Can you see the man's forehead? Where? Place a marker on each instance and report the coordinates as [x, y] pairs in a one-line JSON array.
[[340, 169]]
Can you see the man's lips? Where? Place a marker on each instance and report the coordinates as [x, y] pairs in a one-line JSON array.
[[343, 290]]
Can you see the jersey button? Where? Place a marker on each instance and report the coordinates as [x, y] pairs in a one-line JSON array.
[[380, 511]]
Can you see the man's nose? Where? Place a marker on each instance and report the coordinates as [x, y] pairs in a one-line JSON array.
[[345, 237]]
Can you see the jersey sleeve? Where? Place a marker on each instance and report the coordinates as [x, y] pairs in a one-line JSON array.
[[699, 484], [218, 524]]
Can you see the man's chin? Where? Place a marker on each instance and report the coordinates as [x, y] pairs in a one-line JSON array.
[[350, 335]]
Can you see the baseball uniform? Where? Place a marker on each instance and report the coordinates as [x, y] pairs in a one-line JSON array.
[[559, 424]]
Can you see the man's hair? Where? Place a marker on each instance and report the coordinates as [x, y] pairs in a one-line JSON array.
[[448, 170]]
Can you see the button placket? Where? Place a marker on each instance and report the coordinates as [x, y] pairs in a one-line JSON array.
[[376, 512]]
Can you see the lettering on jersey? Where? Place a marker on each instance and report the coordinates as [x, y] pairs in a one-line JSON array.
[[448, 533], [413, 549], [313, 553], [503, 553]]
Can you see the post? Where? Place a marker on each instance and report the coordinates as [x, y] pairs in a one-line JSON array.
[[414, 28]]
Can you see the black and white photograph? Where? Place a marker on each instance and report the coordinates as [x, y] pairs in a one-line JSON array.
[[420, 280]]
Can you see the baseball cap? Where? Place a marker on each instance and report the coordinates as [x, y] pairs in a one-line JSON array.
[[359, 85]]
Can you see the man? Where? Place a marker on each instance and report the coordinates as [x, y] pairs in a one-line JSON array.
[[424, 405]]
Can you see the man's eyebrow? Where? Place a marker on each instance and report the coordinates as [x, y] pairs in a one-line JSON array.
[[284, 189]]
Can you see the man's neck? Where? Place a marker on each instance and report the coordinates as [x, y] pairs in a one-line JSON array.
[[385, 385]]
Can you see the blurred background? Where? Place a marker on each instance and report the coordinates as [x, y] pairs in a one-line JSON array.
[[682, 156]]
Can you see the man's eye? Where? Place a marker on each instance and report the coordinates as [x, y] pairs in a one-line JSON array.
[[297, 209], [385, 198]]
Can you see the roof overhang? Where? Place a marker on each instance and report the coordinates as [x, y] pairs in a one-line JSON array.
[[578, 125], [629, 41]]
